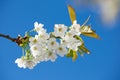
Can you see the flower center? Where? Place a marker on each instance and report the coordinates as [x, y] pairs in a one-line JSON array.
[[69, 34], [37, 29], [50, 53], [41, 36], [60, 48], [59, 29], [35, 48], [34, 41], [52, 43]]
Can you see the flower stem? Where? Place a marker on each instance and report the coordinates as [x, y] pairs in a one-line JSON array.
[[8, 37], [23, 52]]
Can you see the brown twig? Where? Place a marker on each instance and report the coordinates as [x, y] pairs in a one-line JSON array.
[[8, 37]]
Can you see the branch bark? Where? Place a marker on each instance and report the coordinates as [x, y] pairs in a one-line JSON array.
[[8, 37]]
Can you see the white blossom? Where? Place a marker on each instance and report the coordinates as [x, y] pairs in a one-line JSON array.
[[20, 62], [24, 63], [30, 64], [61, 50], [42, 40], [36, 50], [52, 55], [70, 41], [75, 28], [38, 27], [73, 44], [59, 30], [33, 41], [44, 36], [69, 36], [42, 57], [52, 44]]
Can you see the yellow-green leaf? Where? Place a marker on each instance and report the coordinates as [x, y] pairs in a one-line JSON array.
[[92, 34], [87, 31], [75, 55], [70, 53], [85, 50], [79, 38], [72, 13]]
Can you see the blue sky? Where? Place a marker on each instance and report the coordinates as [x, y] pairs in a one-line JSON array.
[[18, 16]]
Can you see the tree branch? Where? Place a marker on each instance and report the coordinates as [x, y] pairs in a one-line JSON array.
[[8, 37]]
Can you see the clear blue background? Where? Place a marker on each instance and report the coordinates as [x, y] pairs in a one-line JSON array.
[[18, 16]]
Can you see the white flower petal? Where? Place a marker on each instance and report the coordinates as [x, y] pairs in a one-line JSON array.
[[61, 50], [59, 30], [52, 44]]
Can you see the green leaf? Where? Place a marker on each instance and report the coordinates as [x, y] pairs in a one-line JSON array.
[[72, 13]]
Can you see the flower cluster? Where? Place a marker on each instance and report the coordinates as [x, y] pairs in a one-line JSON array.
[[63, 41], [48, 46]]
